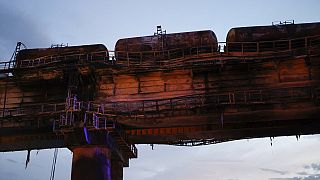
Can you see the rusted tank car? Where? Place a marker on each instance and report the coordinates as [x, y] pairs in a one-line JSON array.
[[272, 38], [57, 54], [165, 46]]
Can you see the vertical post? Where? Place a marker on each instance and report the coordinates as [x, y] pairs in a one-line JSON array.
[[140, 58], [116, 169], [157, 107], [273, 45], [290, 45], [128, 62], [197, 51], [143, 106], [113, 58], [105, 122], [183, 53], [306, 42], [5, 96], [242, 48], [171, 107]]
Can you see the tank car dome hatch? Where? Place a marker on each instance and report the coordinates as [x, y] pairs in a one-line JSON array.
[[205, 40]]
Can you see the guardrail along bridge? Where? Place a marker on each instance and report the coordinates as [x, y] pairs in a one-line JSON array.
[[178, 89]]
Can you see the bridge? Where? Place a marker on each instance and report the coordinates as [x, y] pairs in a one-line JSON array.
[[100, 107]]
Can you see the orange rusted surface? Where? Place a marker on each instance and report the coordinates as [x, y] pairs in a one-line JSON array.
[[272, 33], [190, 93], [272, 38], [65, 53], [177, 43], [167, 89]]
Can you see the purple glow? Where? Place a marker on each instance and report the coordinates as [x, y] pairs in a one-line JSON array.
[[86, 134], [108, 169]]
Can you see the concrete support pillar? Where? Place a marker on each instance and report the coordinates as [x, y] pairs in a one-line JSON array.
[[116, 169], [91, 162]]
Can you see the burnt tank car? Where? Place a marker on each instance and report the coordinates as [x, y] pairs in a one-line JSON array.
[[165, 46], [272, 38], [58, 54]]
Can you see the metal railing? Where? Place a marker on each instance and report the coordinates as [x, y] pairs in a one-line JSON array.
[[141, 107], [93, 57], [248, 97], [101, 56], [272, 46], [153, 57], [33, 109], [170, 57], [6, 65]]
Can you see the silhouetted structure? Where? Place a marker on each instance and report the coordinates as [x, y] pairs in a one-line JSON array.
[[179, 89]]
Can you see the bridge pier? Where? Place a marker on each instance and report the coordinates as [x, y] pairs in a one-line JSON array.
[[95, 162]]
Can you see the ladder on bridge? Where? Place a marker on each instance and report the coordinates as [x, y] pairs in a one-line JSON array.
[[94, 121], [72, 107], [15, 53]]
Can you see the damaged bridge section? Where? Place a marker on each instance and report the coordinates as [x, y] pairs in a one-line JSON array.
[[179, 89]]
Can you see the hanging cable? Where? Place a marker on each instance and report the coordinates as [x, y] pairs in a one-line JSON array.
[[54, 161], [28, 159]]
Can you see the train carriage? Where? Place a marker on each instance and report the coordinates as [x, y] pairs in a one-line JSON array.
[[62, 55], [272, 38], [147, 49]]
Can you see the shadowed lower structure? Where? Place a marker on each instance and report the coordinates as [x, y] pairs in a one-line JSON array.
[[100, 106]]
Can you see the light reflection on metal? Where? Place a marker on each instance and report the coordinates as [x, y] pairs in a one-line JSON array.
[[86, 134]]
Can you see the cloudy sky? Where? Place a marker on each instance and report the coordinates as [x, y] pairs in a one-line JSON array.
[[287, 159], [41, 23]]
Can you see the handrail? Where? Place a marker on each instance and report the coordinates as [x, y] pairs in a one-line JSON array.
[[231, 97], [88, 57], [252, 96], [98, 56], [128, 58], [281, 40], [276, 45], [34, 108], [143, 58], [223, 42], [6, 65]]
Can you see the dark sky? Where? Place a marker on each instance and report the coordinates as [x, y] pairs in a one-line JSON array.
[[16, 26], [42, 23]]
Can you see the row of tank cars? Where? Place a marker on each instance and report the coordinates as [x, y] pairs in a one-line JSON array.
[[255, 39]]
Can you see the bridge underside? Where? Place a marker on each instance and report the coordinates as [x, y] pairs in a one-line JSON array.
[[234, 126]]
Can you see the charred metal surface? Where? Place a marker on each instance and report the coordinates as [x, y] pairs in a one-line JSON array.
[[59, 51], [272, 33], [176, 43], [272, 38], [52, 63]]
